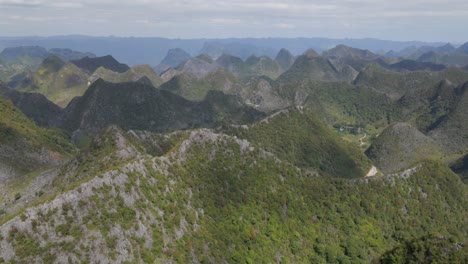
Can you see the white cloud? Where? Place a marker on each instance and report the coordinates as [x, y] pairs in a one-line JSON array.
[[20, 3], [394, 19], [225, 21], [285, 26]]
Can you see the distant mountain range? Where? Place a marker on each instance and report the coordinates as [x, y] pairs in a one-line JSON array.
[[152, 50]]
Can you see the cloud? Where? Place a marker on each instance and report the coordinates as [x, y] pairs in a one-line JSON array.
[[67, 5], [20, 3], [394, 19], [225, 21], [285, 26]]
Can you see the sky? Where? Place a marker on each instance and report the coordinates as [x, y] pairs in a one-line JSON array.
[[424, 20]]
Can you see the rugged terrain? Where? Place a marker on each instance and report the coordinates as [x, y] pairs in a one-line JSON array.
[[344, 156]]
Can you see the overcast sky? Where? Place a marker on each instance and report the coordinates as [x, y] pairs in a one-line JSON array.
[[426, 20]]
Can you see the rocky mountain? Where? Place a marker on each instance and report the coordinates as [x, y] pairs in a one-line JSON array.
[[232, 64], [447, 48], [25, 147], [345, 157], [207, 196], [199, 67], [142, 107], [450, 59], [450, 130], [92, 64], [215, 49], [263, 66], [414, 52], [68, 54], [40, 53], [311, 66], [285, 59], [395, 84], [411, 65], [61, 81], [188, 84], [134, 74], [174, 58], [296, 135], [399, 146], [57, 80], [17, 62], [463, 48], [17, 53], [343, 56], [34, 105]]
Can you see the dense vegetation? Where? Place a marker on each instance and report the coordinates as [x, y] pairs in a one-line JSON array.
[[428, 249], [299, 137], [230, 162], [212, 198], [14, 125]]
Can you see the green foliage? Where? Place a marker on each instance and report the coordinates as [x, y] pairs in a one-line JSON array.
[[259, 211], [196, 89], [301, 138], [235, 204], [15, 125], [428, 249]]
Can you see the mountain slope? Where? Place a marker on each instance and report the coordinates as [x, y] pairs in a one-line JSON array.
[[92, 64], [460, 167], [174, 58], [193, 88], [396, 84], [57, 80], [19, 53], [285, 59], [399, 146], [134, 74], [25, 147], [312, 67], [35, 106], [411, 65], [342, 56], [263, 66], [428, 249], [216, 198], [139, 106], [456, 58], [298, 136], [68, 54], [198, 68], [451, 130]]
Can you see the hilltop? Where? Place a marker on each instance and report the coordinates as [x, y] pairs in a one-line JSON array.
[[92, 64]]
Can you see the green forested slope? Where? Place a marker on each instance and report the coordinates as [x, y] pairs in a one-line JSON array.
[[215, 198]]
